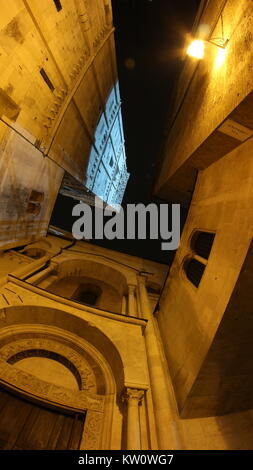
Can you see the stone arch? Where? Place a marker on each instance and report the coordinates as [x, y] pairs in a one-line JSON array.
[[78, 266], [26, 355], [83, 346], [37, 249], [75, 274], [75, 332]]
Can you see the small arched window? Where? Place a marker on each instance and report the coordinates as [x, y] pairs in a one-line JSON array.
[[87, 294], [194, 271], [88, 297], [202, 243], [195, 265]]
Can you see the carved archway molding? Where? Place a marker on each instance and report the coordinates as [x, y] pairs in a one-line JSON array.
[[69, 328], [42, 347], [91, 365], [46, 392], [18, 339]]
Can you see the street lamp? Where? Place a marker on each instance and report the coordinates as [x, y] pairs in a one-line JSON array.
[[197, 47]]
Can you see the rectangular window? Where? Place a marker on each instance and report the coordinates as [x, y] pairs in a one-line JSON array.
[[34, 202], [36, 196], [46, 78], [58, 5], [33, 208]]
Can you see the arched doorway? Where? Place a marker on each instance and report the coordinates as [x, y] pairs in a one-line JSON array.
[[84, 404]]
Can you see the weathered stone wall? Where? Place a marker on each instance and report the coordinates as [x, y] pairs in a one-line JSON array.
[[210, 91], [222, 203]]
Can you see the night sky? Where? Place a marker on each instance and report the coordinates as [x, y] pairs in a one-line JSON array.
[[149, 37]]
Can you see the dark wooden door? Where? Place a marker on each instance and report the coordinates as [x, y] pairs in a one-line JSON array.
[[29, 426]]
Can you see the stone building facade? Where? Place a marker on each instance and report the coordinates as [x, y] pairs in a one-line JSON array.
[[207, 167], [59, 109], [101, 349], [74, 321]]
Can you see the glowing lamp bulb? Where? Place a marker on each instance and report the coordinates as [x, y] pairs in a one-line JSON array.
[[196, 49]]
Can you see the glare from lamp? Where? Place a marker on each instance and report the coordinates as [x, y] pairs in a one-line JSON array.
[[220, 58], [196, 49]]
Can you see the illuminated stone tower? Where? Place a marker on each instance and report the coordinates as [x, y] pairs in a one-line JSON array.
[[60, 111]]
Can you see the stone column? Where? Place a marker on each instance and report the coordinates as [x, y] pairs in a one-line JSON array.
[[131, 301], [123, 305], [133, 397], [24, 271], [138, 304], [143, 296], [163, 403], [45, 283], [37, 278]]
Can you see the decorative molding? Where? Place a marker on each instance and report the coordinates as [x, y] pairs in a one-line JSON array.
[[133, 394], [142, 277], [84, 349], [100, 36], [131, 289], [46, 296], [18, 380], [51, 115], [92, 431], [17, 350]]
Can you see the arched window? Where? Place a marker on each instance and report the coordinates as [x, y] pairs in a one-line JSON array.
[[88, 297], [202, 243], [87, 294], [201, 246], [194, 271]]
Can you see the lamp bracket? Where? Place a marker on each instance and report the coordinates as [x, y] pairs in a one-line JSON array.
[[218, 42]]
